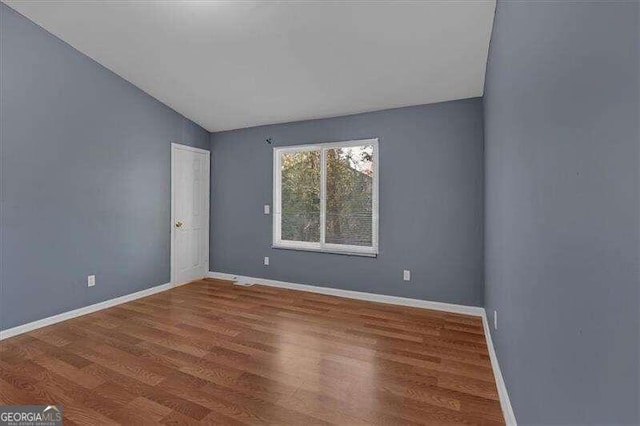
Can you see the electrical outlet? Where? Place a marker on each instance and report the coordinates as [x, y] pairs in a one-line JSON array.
[[267, 209], [91, 280], [406, 275], [495, 320], [266, 261]]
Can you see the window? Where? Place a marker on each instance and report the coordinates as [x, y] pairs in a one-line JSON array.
[[326, 197]]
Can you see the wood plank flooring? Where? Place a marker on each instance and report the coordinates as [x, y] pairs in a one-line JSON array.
[[210, 352]]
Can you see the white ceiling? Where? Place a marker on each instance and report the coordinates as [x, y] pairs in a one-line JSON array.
[[228, 65]]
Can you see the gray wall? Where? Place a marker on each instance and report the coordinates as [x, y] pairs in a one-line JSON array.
[[431, 203], [562, 213], [85, 178]]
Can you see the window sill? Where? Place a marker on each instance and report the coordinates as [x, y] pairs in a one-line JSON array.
[[327, 251]]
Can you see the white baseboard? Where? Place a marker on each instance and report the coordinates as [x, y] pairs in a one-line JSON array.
[[505, 403], [507, 410], [371, 297], [10, 332]]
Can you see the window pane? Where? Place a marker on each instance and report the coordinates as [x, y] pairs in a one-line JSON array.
[[349, 196], [301, 196]]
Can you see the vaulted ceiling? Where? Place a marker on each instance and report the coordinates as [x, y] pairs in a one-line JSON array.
[[233, 64]]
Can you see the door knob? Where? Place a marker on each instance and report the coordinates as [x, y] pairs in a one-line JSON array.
[[178, 224]]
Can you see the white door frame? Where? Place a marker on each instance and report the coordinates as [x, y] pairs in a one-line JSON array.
[[174, 147]]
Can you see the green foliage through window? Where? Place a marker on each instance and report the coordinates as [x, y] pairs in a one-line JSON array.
[[348, 201], [349, 196], [301, 196]]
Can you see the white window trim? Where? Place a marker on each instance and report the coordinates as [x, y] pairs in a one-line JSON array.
[[321, 246]]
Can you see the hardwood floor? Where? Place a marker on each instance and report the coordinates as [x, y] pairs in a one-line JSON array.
[[211, 352]]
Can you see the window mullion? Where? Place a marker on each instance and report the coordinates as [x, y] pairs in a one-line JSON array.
[[323, 195]]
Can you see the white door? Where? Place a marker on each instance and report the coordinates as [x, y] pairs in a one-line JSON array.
[[189, 213]]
